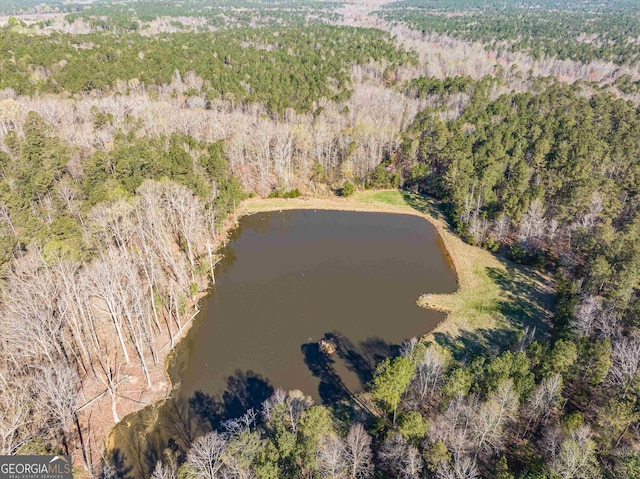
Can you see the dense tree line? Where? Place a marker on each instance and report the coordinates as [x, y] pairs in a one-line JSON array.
[[546, 163], [550, 178], [498, 5], [118, 18], [102, 261], [145, 11], [45, 195], [425, 86], [13, 6], [577, 30], [337, 141], [281, 69]]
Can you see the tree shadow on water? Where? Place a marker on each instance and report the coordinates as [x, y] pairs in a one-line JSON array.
[[180, 422], [331, 389], [245, 390], [139, 442], [176, 428], [144, 438], [361, 360]]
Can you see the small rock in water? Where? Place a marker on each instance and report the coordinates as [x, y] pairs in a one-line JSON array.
[[327, 346]]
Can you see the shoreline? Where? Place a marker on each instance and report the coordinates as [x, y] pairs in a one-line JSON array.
[[252, 206], [445, 236], [464, 264], [365, 202]]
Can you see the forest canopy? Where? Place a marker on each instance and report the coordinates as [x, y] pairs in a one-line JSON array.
[[290, 68], [579, 30], [130, 132]]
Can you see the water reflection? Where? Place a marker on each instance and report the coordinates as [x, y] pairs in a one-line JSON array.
[[287, 281]]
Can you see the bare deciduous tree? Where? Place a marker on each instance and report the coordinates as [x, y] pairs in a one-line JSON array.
[[15, 410], [401, 457], [491, 418], [625, 362], [58, 387], [533, 224], [207, 456], [453, 426], [357, 452], [428, 374], [461, 467], [587, 312], [290, 405], [164, 471], [501, 227], [576, 457], [331, 460], [544, 398], [6, 217]]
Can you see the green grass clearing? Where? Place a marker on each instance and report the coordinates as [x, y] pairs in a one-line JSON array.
[[389, 197]]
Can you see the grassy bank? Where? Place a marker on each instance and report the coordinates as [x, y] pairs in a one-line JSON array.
[[496, 298]]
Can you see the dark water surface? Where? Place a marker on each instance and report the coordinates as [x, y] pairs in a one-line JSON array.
[[287, 280]]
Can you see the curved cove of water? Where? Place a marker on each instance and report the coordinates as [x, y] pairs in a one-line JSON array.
[[288, 280]]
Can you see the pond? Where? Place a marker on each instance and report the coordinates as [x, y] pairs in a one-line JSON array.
[[287, 281]]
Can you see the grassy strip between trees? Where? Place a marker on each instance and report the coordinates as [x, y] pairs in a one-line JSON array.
[[496, 298]]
